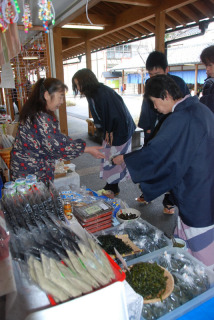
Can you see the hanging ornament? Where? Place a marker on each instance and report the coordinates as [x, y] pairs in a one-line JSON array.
[[46, 13], [3, 24], [9, 11], [17, 6], [26, 18]]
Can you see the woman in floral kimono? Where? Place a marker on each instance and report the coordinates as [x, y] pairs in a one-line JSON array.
[[39, 141]]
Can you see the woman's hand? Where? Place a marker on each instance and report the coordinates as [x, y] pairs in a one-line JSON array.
[[94, 151], [118, 159]]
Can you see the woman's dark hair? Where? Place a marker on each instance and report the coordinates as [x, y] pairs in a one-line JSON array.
[[207, 55], [156, 59], [36, 102], [87, 81], [159, 85]]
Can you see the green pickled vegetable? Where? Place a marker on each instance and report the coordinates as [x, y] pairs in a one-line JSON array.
[[109, 242], [147, 279]]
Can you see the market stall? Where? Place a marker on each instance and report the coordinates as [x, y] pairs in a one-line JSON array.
[[44, 232]]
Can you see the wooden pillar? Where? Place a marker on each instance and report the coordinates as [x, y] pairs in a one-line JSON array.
[[160, 31], [196, 79], [88, 54], [9, 103], [48, 70], [91, 128], [60, 75], [2, 96]]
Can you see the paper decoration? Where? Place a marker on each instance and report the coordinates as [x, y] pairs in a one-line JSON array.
[[26, 18], [9, 11], [3, 24], [46, 13], [17, 6]]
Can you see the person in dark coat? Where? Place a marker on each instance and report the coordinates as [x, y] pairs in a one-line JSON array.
[[112, 116], [38, 141], [150, 119], [207, 57], [180, 158]]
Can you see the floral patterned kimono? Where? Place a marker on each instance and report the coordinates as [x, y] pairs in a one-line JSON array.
[[38, 144]]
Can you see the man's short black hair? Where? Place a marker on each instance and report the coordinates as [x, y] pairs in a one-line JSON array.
[[207, 55], [159, 85], [156, 59]]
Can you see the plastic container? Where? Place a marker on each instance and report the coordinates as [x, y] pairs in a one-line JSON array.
[[124, 228], [9, 188], [191, 304], [19, 182], [93, 211]]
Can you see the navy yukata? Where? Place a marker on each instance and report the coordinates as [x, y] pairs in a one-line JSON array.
[[149, 116], [180, 158], [208, 93], [38, 145]]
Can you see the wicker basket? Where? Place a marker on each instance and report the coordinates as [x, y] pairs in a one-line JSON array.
[[5, 154]]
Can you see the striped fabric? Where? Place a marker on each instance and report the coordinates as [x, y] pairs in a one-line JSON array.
[[200, 241], [109, 172]]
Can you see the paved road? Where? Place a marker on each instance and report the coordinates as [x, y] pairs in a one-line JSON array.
[[80, 110]]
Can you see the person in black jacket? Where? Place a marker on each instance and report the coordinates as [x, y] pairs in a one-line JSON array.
[[207, 57], [112, 116], [150, 119]]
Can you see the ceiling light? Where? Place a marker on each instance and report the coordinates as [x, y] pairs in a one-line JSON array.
[[30, 58], [81, 26]]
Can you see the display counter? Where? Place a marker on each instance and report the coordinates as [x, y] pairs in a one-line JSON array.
[[116, 300]]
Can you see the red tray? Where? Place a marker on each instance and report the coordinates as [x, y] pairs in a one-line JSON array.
[[99, 228], [94, 221]]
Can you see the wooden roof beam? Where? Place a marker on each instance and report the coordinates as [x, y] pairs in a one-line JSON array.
[[169, 22], [140, 29], [189, 13], [68, 44], [177, 17], [133, 32], [202, 6], [70, 33], [34, 28], [169, 5], [95, 18], [144, 3], [148, 26]]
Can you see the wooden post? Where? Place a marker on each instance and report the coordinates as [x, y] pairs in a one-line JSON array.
[[196, 79], [88, 54], [160, 31], [91, 128], [2, 96], [48, 69], [60, 75], [9, 103]]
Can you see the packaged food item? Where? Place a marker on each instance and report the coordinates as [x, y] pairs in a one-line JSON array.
[[67, 209], [22, 189], [20, 181], [9, 189]]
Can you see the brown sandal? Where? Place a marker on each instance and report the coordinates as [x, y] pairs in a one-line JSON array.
[[141, 199], [169, 209]]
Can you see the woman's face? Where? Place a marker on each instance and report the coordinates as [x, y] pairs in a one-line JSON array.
[[55, 100]]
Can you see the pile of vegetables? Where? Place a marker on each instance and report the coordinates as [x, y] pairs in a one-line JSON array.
[[147, 279]]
